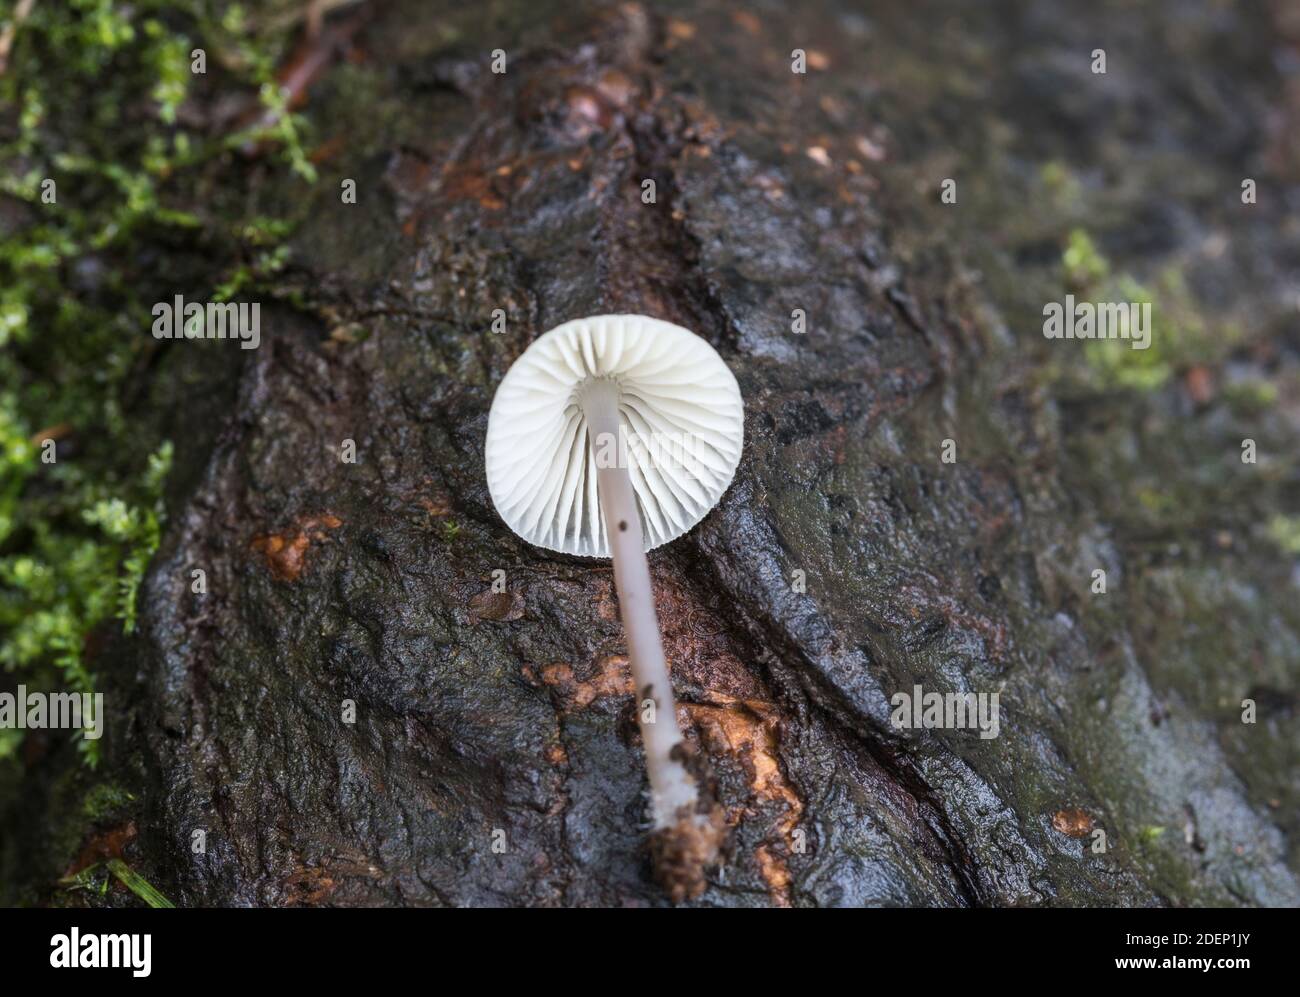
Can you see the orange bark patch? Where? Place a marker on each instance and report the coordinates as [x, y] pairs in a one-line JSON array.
[[1073, 823], [683, 30], [468, 183], [612, 677], [557, 755], [749, 732], [286, 553], [435, 503], [101, 847], [1200, 384], [818, 60], [308, 887]]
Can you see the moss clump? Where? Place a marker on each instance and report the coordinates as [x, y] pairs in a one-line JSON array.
[[1180, 338], [1250, 398], [110, 189], [1062, 187], [65, 583], [1285, 532], [106, 800], [1085, 266]]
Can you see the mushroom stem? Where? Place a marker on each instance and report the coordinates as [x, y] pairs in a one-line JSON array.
[[671, 786]]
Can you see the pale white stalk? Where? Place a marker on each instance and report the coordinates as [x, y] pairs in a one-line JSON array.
[[633, 370], [671, 786]]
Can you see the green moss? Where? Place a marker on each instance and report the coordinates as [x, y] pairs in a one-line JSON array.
[[1285, 532], [1250, 398], [1061, 185], [103, 192], [96, 879], [1085, 266], [65, 583], [1114, 362], [1179, 339], [1150, 834], [106, 801]]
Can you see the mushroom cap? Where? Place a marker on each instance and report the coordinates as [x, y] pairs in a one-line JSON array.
[[680, 413]]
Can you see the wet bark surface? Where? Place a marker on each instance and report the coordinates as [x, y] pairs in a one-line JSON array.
[[487, 718]]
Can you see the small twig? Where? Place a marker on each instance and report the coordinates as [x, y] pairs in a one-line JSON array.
[[313, 55], [317, 9], [315, 18], [21, 12]]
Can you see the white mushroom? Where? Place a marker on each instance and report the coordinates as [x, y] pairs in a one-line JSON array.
[[609, 436]]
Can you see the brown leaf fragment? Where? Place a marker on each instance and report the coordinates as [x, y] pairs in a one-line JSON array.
[[286, 552], [489, 605], [1073, 823]]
